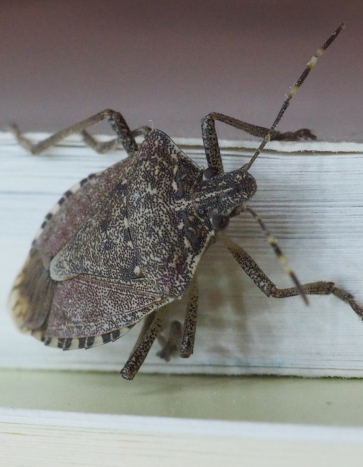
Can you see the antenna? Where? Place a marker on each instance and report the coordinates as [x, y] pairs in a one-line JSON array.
[[281, 257], [294, 90]]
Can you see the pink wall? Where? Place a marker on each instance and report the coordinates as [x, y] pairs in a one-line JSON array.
[[173, 62]]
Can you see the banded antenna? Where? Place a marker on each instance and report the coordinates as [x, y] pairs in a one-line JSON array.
[[294, 90]]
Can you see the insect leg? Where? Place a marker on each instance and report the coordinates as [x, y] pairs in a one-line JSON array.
[[170, 341], [102, 147], [209, 134], [182, 337], [149, 333], [252, 269], [190, 322], [124, 135], [281, 257], [210, 138]]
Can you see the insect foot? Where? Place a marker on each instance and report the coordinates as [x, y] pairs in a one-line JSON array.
[[95, 269]]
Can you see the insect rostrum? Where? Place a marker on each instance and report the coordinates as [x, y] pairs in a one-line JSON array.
[[123, 243]]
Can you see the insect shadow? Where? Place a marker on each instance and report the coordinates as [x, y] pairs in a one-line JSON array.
[[122, 244]]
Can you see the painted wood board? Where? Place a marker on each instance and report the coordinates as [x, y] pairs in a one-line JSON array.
[[311, 198]]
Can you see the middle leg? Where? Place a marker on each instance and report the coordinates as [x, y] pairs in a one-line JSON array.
[[125, 136]]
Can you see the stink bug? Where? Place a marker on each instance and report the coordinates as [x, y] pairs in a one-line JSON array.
[[122, 244]]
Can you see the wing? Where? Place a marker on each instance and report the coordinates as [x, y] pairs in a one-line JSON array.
[[88, 306], [102, 247], [76, 206], [81, 307]]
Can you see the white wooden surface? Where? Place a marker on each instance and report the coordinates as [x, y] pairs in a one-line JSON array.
[[78, 418], [312, 201], [85, 439]]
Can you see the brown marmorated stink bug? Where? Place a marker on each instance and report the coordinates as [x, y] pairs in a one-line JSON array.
[[123, 243]]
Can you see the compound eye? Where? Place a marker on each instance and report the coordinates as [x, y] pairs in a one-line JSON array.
[[210, 173], [219, 222]]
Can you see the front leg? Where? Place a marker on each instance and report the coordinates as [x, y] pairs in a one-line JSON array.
[[252, 269], [210, 138]]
